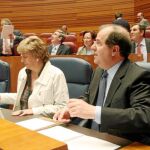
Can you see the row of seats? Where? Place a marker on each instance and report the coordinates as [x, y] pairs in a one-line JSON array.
[[4, 79], [77, 79], [70, 40]]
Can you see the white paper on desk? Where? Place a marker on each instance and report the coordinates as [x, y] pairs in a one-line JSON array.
[[90, 143], [35, 123], [60, 133], [7, 30]]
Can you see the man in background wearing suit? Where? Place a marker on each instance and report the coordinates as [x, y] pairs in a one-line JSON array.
[[10, 47], [125, 109], [57, 47], [120, 21], [142, 20], [139, 42]]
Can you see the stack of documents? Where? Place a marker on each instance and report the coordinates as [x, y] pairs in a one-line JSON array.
[[74, 140], [77, 141]]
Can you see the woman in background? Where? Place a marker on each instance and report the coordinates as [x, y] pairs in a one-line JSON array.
[[41, 88], [88, 40]]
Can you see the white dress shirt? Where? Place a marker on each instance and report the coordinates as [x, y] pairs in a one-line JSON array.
[[143, 49], [55, 49]]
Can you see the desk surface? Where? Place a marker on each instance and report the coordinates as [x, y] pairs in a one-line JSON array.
[[14, 137], [6, 114]]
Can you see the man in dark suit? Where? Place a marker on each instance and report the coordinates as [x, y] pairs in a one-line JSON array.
[[125, 109], [13, 41], [56, 47], [137, 37], [120, 21]]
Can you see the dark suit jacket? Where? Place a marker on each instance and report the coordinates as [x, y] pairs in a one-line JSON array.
[[18, 38], [62, 50], [147, 41], [122, 22], [126, 111]]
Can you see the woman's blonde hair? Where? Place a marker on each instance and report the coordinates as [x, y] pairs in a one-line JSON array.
[[35, 46]]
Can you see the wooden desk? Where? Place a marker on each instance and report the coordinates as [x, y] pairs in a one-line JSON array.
[[5, 113], [14, 137], [136, 146]]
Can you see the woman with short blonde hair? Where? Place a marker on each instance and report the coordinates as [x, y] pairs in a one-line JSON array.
[[42, 87]]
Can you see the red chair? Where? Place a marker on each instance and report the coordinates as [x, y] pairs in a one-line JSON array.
[[147, 33], [72, 45], [45, 35], [72, 33], [29, 34], [48, 41], [70, 38]]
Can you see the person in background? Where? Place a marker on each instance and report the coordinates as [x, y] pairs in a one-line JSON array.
[[140, 45], [121, 104], [142, 20], [57, 47], [88, 40], [120, 21], [41, 87], [64, 29], [8, 46]]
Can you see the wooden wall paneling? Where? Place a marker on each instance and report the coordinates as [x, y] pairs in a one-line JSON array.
[[47, 15], [142, 6]]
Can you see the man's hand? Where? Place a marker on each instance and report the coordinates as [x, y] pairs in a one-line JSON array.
[[62, 116], [23, 112], [81, 109]]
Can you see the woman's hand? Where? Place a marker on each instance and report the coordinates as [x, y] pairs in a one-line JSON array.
[[23, 112]]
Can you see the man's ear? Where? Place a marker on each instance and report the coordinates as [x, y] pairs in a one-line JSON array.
[[115, 50], [142, 33]]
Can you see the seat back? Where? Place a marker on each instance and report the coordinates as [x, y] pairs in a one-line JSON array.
[[70, 38], [145, 65], [72, 45], [78, 74], [147, 33], [4, 77], [29, 34]]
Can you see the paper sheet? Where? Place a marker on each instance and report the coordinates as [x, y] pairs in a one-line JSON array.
[[90, 143], [60, 133], [7, 30], [77, 141], [35, 123]]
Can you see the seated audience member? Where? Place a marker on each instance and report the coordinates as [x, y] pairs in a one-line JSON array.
[[64, 29], [142, 20], [56, 47], [120, 21], [7, 46], [88, 40], [140, 45], [41, 88], [118, 99]]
